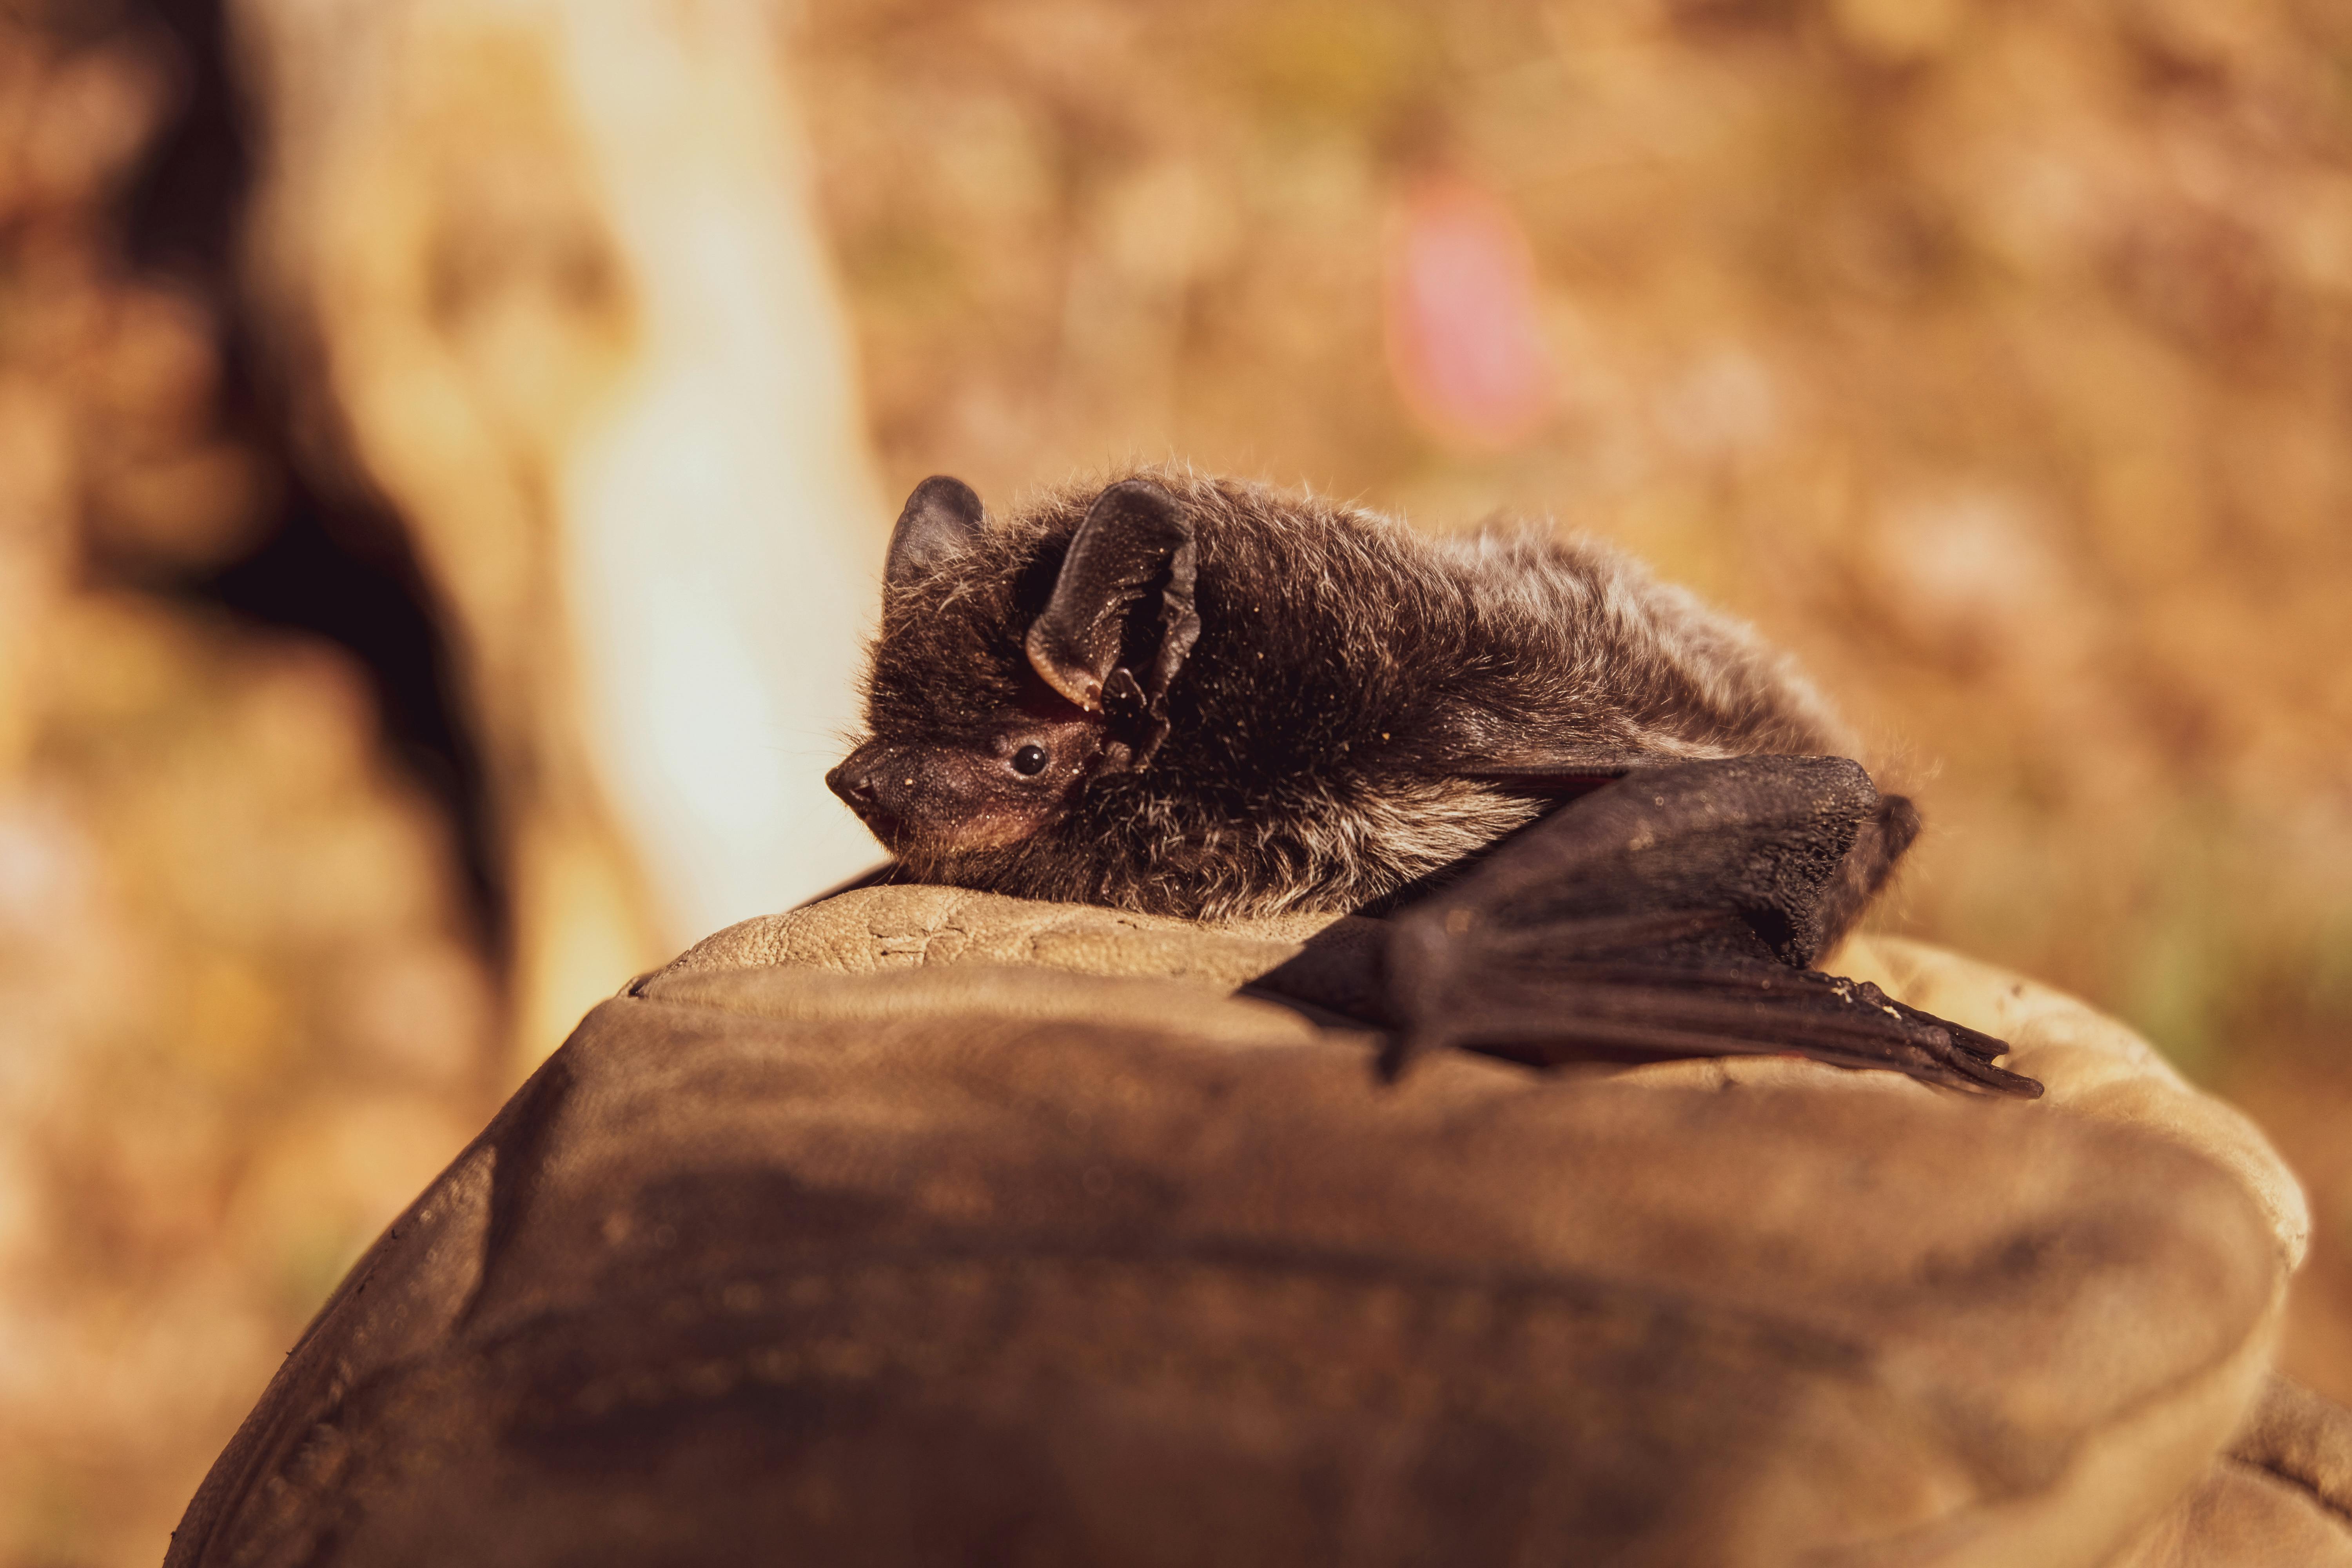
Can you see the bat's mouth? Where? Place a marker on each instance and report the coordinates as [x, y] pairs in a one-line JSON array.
[[857, 783]]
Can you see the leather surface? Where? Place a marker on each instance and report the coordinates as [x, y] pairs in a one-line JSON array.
[[921, 1226]]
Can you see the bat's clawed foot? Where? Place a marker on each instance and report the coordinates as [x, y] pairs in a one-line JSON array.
[[1927, 1047]]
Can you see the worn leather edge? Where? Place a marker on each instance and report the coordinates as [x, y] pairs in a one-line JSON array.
[[868, 930], [991, 991]]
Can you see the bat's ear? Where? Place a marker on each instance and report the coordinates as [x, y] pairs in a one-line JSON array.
[[940, 518], [1125, 587]]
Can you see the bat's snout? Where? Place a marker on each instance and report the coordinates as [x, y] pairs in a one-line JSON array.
[[859, 782], [892, 789], [854, 783], [931, 799]]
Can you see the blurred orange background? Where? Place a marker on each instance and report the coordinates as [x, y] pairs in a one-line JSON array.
[[447, 447]]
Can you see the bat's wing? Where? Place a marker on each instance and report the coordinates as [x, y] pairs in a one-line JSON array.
[[1673, 912]]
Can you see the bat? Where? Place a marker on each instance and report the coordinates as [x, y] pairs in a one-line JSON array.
[[1604, 820]]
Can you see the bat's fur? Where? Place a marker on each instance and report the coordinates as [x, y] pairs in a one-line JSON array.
[[1349, 670]]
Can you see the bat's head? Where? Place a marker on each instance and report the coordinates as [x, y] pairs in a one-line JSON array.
[[1016, 668]]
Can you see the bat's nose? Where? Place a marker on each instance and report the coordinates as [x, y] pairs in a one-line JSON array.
[[854, 785]]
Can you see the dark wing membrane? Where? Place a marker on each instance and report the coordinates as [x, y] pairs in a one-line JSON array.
[[1670, 913]]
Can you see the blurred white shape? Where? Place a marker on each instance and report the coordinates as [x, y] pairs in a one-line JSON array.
[[724, 519], [557, 263]]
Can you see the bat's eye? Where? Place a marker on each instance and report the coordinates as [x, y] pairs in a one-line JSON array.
[[1030, 760]]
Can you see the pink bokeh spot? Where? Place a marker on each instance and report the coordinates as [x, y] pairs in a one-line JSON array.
[[1464, 333]]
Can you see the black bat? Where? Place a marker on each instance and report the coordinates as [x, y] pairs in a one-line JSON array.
[[1607, 822]]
